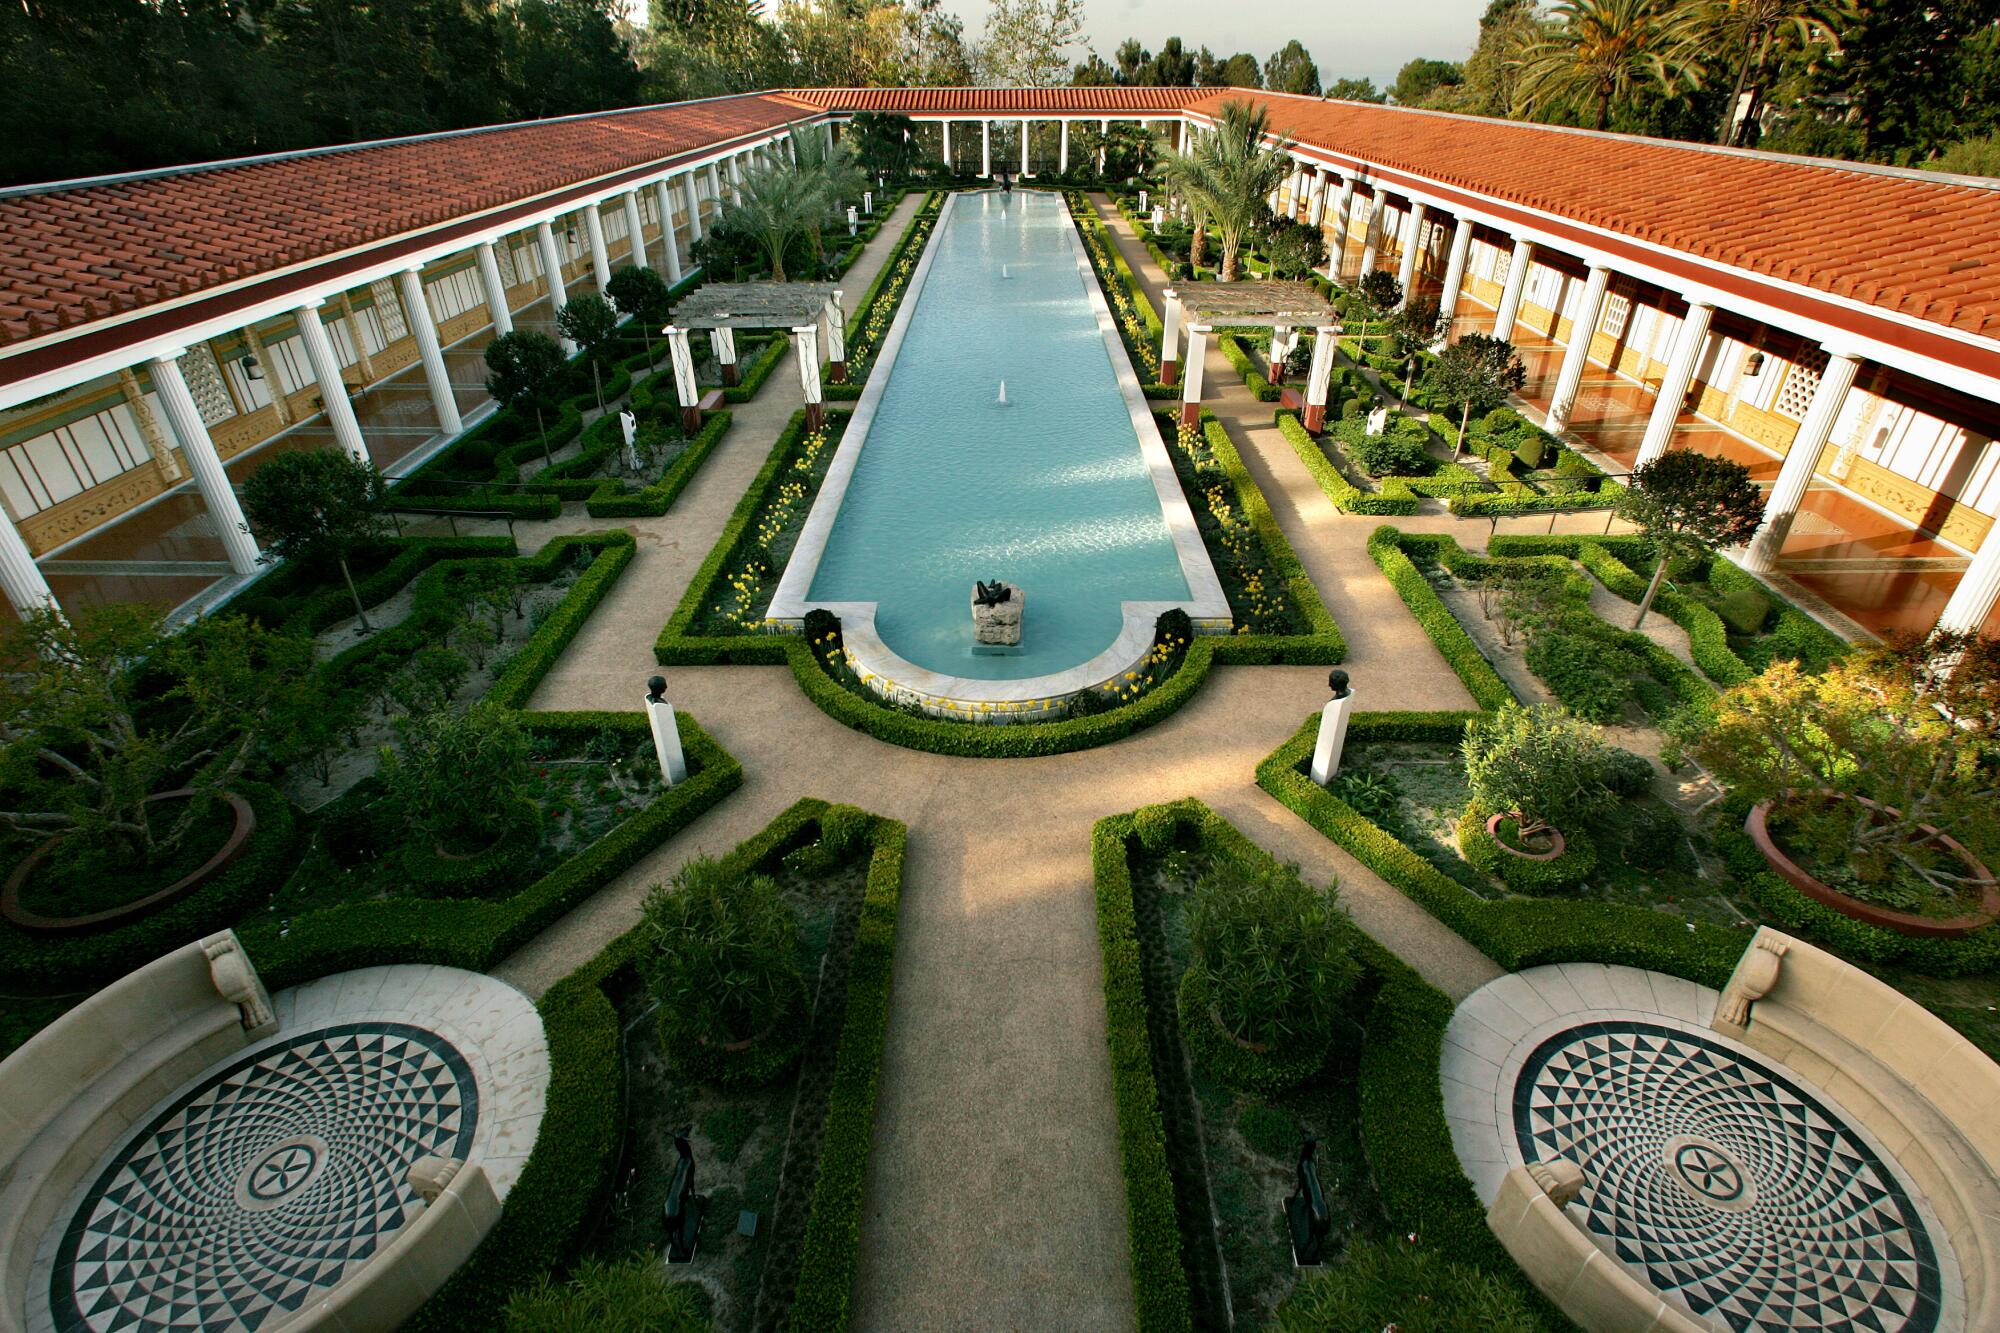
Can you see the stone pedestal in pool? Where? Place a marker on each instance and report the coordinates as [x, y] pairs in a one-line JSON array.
[[997, 609]]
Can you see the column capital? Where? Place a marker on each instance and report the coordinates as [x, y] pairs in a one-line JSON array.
[[168, 357], [1841, 350], [311, 303]]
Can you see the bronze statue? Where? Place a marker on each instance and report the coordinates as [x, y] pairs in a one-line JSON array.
[[991, 594]]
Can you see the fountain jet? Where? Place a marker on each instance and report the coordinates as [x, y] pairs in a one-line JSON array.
[[1002, 402]]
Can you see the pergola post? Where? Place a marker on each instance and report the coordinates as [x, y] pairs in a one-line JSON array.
[[1513, 289], [496, 292], [332, 388], [1283, 336], [723, 340], [805, 342], [1582, 329], [685, 388], [1170, 338], [184, 419], [1320, 377], [1674, 384], [1062, 154], [836, 340], [1191, 379], [1795, 474]]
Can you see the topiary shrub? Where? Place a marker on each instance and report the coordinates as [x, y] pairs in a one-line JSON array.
[[457, 777], [1531, 446], [1744, 610], [1405, 1287], [1625, 773], [1270, 959], [1483, 852], [720, 953], [1536, 763]]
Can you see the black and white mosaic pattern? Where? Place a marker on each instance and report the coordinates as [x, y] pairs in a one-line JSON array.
[[262, 1185], [1721, 1180]]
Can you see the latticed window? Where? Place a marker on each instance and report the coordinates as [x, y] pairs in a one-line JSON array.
[[503, 255], [1801, 382], [388, 309], [1617, 309], [1503, 266], [205, 386]]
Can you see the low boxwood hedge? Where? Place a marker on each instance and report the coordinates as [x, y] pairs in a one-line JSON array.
[[611, 501], [676, 646], [1484, 853], [1389, 547]]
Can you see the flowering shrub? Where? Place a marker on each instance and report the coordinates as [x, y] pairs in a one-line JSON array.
[[749, 585]]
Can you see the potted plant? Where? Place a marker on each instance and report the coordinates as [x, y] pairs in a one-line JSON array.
[[1873, 784], [1270, 960], [120, 742], [721, 957], [1534, 771]]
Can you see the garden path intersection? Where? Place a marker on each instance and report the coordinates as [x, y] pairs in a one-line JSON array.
[[994, 1080]]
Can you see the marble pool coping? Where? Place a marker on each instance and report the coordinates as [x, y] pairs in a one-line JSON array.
[[893, 676]]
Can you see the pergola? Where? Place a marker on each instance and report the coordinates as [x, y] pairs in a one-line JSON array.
[[799, 308], [1286, 306]]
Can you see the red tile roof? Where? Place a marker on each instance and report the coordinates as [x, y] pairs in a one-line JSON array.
[[71, 255], [975, 101], [1926, 247]]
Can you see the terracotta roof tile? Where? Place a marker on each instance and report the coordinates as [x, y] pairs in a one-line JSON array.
[[973, 101], [146, 238]]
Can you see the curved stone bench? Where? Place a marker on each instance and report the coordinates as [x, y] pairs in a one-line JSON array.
[[1930, 1096], [81, 1084]]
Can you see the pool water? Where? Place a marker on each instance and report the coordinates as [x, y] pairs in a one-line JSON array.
[[1050, 493]]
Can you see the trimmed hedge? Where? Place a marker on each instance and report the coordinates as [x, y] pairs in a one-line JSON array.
[[294, 596], [1259, 384], [610, 501], [55, 963], [1515, 933], [1389, 548], [676, 646], [858, 368], [1484, 853]]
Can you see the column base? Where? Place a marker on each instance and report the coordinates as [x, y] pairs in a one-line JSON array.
[[690, 419], [1191, 414], [816, 416], [1170, 372], [730, 377], [837, 371], [1315, 417]]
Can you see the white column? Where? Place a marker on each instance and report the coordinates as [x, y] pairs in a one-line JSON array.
[[185, 421], [1583, 328], [685, 389], [1025, 173], [1191, 377], [1104, 128], [1795, 474], [1978, 591], [417, 312], [496, 290], [1372, 246], [949, 166], [715, 184], [663, 196], [985, 148], [635, 228], [1316, 216], [1511, 292], [836, 339], [1413, 235], [1343, 215], [805, 342], [1170, 338], [600, 258], [1454, 271], [545, 240], [1062, 155], [1319, 378], [22, 578], [1688, 347], [694, 209], [332, 388], [736, 176]]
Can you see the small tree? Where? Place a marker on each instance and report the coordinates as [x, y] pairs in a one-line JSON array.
[[1688, 504], [643, 295], [456, 778], [721, 957], [1412, 330], [1475, 375], [1293, 248], [1909, 725], [526, 369], [590, 323], [1274, 952], [315, 507], [105, 708], [1380, 292], [1536, 763]]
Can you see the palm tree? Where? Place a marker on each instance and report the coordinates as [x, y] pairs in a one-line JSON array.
[[1596, 52], [1758, 30], [1236, 176], [1187, 176], [774, 206], [830, 172]]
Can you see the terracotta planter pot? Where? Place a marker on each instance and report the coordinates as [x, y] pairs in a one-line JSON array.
[[1493, 823], [1757, 825], [28, 919]]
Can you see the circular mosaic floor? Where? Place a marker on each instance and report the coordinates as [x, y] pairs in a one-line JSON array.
[[274, 1175], [1714, 1175]]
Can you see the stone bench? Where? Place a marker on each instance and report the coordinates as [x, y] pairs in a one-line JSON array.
[[1930, 1097], [79, 1086]]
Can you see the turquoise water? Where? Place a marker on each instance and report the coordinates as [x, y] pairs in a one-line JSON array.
[[1050, 494]]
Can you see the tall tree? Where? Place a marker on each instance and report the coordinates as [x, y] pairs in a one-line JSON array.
[[1755, 34], [1356, 90], [1688, 504], [1490, 72], [1598, 52], [1236, 173], [1173, 67], [1291, 70], [1028, 42], [1475, 374], [1418, 79], [1135, 63], [1093, 72], [1240, 71], [1921, 74]]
